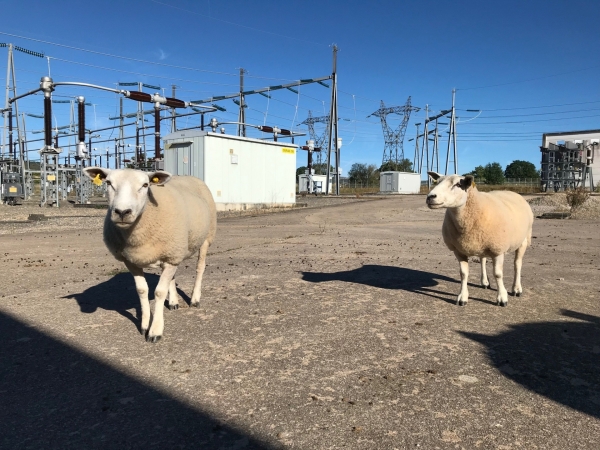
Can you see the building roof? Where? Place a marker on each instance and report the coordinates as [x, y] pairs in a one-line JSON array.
[[585, 135]]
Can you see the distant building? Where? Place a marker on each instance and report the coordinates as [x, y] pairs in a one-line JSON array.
[[570, 159]]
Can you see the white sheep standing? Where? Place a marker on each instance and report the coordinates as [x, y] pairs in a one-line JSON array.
[[157, 220], [482, 224]]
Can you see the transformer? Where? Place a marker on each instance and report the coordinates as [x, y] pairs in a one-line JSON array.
[[11, 190]]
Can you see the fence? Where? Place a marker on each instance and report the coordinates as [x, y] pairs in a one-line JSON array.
[[520, 185]]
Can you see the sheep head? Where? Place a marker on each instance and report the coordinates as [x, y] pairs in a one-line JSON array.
[[450, 191], [127, 191]]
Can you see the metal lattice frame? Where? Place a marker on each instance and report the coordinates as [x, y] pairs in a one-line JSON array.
[[393, 150], [320, 140]]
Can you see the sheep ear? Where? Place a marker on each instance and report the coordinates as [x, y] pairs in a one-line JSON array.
[[159, 178], [96, 173], [434, 175], [467, 181]]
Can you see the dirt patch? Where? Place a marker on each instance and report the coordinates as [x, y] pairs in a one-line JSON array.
[[590, 209], [324, 327]]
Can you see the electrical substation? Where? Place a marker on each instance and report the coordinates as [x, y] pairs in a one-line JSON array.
[[260, 170], [241, 172]]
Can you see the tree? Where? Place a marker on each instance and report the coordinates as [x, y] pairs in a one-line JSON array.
[[363, 173], [318, 169], [321, 169], [493, 173], [478, 173], [404, 165], [521, 169]]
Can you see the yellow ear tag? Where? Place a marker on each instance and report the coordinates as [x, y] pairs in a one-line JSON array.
[[473, 183], [97, 181], [155, 180]]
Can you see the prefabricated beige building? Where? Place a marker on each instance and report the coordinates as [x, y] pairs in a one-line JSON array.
[[242, 173]]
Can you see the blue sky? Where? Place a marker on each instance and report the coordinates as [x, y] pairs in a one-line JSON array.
[[530, 67]]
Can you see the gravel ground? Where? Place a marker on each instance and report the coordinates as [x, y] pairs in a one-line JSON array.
[[319, 328], [558, 203], [14, 219]]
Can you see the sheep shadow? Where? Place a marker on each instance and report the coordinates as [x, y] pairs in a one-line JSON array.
[[393, 277], [56, 396], [558, 360], [118, 294]]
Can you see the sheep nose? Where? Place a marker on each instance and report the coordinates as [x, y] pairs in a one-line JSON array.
[[122, 213], [431, 196]]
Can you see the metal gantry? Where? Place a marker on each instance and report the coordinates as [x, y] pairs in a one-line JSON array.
[[393, 150], [319, 140]]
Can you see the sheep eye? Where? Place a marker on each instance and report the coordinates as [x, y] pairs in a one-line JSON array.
[[145, 185], [108, 183]]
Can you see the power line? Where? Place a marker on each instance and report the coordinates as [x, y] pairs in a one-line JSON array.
[[536, 107], [543, 114], [118, 56], [237, 24], [530, 79], [139, 73], [530, 121]]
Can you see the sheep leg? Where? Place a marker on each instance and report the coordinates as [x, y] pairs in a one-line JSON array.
[[160, 294], [502, 297], [199, 273], [142, 289], [463, 262], [173, 302], [484, 278], [517, 288]]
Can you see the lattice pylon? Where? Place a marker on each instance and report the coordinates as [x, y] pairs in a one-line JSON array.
[[319, 139], [393, 150]]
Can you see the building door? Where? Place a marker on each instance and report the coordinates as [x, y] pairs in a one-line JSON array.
[[389, 179]]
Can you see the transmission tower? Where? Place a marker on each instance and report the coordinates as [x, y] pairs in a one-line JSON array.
[[319, 139], [393, 150]]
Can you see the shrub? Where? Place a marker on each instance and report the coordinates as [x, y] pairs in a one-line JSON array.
[[577, 197]]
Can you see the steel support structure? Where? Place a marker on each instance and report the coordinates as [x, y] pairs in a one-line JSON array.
[[333, 130], [241, 131], [320, 141], [393, 149], [452, 137]]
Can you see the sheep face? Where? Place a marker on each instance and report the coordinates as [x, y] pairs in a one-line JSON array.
[[127, 191], [450, 191]]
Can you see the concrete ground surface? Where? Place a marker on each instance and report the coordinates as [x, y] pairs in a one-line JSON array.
[[319, 328]]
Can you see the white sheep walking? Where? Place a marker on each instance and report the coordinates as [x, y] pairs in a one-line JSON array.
[[482, 224], [156, 220]]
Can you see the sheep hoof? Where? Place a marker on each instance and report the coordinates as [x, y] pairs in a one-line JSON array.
[[195, 305], [173, 307], [143, 331], [517, 294], [153, 339], [461, 302], [486, 286], [503, 303]]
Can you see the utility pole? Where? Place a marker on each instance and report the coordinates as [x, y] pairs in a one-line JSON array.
[[121, 136], [452, 137], [242, 115], [173, 113], [141, 124], [425, 148], [416, 166], [11, 76], [333, 123]]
